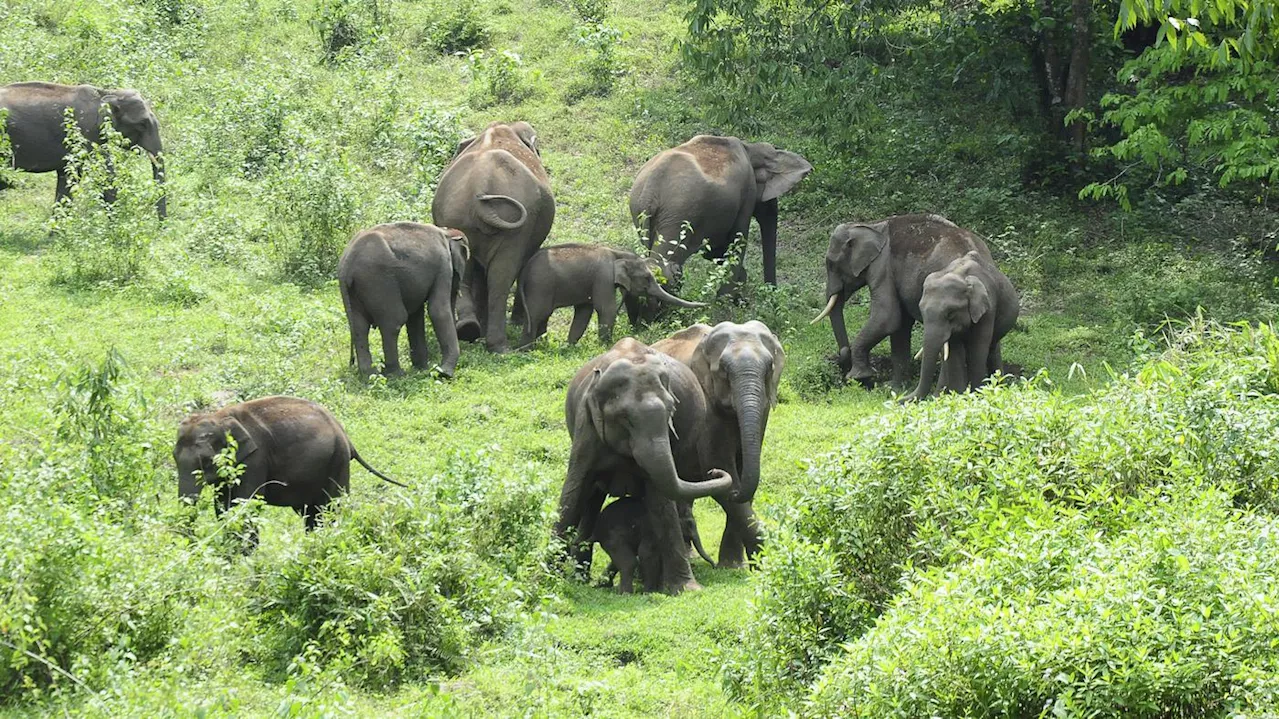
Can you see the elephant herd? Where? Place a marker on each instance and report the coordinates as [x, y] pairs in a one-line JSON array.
[[657, 426]]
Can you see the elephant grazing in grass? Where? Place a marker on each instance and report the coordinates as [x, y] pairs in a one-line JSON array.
[[739, 367], [294, 451], [634, 417], [585, 277], [893, 257], [967, 308], [715, 185], [393, 275], [36, 112], [497, 193]]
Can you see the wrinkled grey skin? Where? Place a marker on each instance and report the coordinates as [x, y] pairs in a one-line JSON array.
[[496, 192], [393, 275], [36, 115], [716, 185], [294, 451], [623, 532], [967, 308], [586, 278], [634, 417], [738, 367], [893, 257]]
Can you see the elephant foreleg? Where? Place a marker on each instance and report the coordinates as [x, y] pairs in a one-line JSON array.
[[63, 190], [741, 540], [995, 361], [954, 369], [879, 325], [606, 305], [669, 546], [581, 316], [900, 346]]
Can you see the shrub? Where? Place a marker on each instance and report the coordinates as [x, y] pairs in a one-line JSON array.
[[600, 65], [942, 482], [455, 27], [95, 240], [1173, 617], [408, 584], [496, 77], [434, 135], [346, 25]]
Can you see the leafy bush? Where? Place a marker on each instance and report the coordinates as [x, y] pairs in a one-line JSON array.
[[346, 25], [496, 77], [1174, 616], [96, 240], [434, 135], [316, 206], [455, 26], [600, 66], [939, 483], [408, 584]]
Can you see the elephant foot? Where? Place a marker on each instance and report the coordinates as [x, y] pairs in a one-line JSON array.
[[393, 372], [469, 330], [445, 372], [731, 564], [500, 349], [691, 586]]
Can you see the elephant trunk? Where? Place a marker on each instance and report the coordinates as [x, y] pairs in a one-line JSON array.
[[663, 296], [189, 482], [837, 295], [157, 172], [935, 345], [655, 459], [752, 413]]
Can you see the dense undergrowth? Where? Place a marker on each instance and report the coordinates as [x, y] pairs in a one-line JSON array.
[[1107, 525]]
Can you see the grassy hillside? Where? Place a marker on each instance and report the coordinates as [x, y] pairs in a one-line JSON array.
[[278, 145]]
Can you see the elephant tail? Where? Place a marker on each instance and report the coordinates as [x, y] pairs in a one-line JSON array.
[[356, 456], [487, 211], [697, 544]]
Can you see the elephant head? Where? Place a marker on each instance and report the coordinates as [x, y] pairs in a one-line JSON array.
[[201, 437], [632, 406], [954, 303], [855, 258], [634, 274], [739, 367], [132, 117]]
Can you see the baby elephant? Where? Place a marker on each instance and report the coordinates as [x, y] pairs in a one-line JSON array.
[[392, 275], [294, 453], [623, 531], [584, 277]]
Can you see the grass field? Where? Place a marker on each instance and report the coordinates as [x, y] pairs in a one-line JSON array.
[[211, 317]]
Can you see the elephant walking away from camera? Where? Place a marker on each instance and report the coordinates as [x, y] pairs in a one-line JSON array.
[[36, 112], [714, 185], [586, 278], [634, 417], [294, 452], [497, 193], [967, 308], [739, 367], [893, 257], [393, 275], [624, 533]]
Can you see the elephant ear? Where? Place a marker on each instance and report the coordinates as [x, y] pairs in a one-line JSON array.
[[127, 106], [459, 240], [462, 146], [594, 410], [245, 445], [777, 171], [865, 245], [527, 135], [979, 299], [771, 343], [625, 271]]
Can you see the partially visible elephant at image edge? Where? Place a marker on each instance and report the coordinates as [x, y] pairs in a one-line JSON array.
[[35, 117], [496, 192]]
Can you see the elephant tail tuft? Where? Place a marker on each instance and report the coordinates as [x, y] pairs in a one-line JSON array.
[[356, 456]]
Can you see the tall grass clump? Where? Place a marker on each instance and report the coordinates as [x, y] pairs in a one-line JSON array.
[[936, 485], [407, 585], [102, 234]]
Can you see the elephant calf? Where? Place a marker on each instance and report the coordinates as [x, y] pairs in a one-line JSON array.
[[624, 532], [294, 452], [394, 274], [973, 303], [36, 112], [584, 277]]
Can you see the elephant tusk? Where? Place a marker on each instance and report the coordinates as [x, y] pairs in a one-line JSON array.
[[672, 426], [831, 305], [919, 353], [946, 350]]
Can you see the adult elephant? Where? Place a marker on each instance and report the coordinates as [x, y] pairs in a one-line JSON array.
[[36, 112], [294, 452], [709, 188], [497, 193], [973, 303], [893, 257], [635, 416], [738, 367]]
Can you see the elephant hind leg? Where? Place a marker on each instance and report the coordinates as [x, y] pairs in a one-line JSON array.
[[417, 326], [581, 316], [499, 283], [471, 303]]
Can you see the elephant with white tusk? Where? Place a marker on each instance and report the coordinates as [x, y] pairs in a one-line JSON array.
[[892, 257]]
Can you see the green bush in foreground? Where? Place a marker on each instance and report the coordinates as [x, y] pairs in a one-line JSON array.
[[941, 483], [1175, 617], [409, 584]]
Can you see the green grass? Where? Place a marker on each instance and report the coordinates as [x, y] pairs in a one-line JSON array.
[[214, 318]]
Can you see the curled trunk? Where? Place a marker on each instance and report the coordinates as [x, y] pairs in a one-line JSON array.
[[655, 459]]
